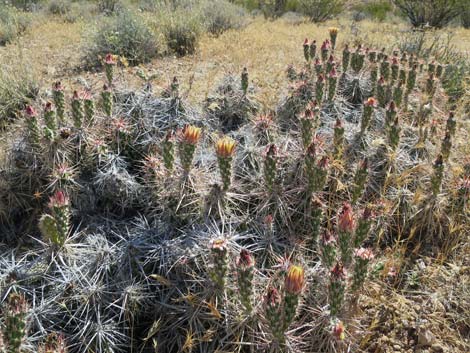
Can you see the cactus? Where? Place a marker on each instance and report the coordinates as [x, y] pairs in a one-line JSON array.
[[381, 92], [109, 64], [270, 167], [48, 228], [313, 49], [56, 228], [316, 172], [438, 175], [451, 124], [319, 89], [357, 60], [332, 80], [364, 225], [369, 106], [390, 114], [307, 124], [49, 118], [330, 64], [439, 70], [397, 95], [293, 285], [325, 49], [77, 110], [328, 249], [362, 257], [337, 329], [245, 271], [54, 343], [59, 100], [318, 67], [168, 147], [393, 133], [385, 69], [333, 31], [219, 254], [306, 46], [316, 215], [446, 146], [337, 288], [244, 80], [430, 86], [107, 100], [188, 140], [272, 304], [225, 148], [89, 107], [373, 78], [15, 322], [346, 227], [359, 182], [33, 128], [395, 68]]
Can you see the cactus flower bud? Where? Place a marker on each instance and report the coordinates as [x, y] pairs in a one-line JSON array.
[[109, 64], [189, 137], [225, 148], [294, 283], [333, 31]]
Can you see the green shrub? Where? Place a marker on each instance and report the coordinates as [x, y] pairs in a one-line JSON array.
[[108, 7], [434, 13], [182, 33], [125, 35], [25, 5], [321, 10], [465, 17], [220, 15], [59, 7], [12, 24], [376, 10]]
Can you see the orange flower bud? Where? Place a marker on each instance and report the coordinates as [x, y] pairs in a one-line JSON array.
[[295, 280], [225, 147]]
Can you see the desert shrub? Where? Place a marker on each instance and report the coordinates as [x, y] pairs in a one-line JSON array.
[[125, 35], [18, 87], [434, 13], [108, 7], [465, 16], [12, 24], [182, 32], [320, 10], [220, 15], [376, 10], [26, 5], [59, 7]]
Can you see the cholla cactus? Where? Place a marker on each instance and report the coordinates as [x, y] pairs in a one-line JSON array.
[[390, 113], [313, 49], [346, 58], [395, 69], [385, 68], [369, 106], [330, 64], [373, 77], [77, 110], [394, 134], [438, 175], [270, 167], [336, 288], [168, 147], [188, 140], [346, 227], [14, 314], [33, 128], [109, 64], [364, 225], [225, 148], [381, 92], [360, 178], [397, 95], [328, 249], [89, 107], [307, 124], [333, 31], [332, 80], [362, 257], [316, 215], [306, 46], [411, 82], [54, 343], [59, 100], [319, 89], [245, 271], [293, 286], [107, 100], [402, 77], [272, 304], [56, 228], [244, 80], [325, 49], [219, 253], [338, 139]]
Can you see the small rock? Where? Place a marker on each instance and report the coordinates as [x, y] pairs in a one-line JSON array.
[[425, 338]]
